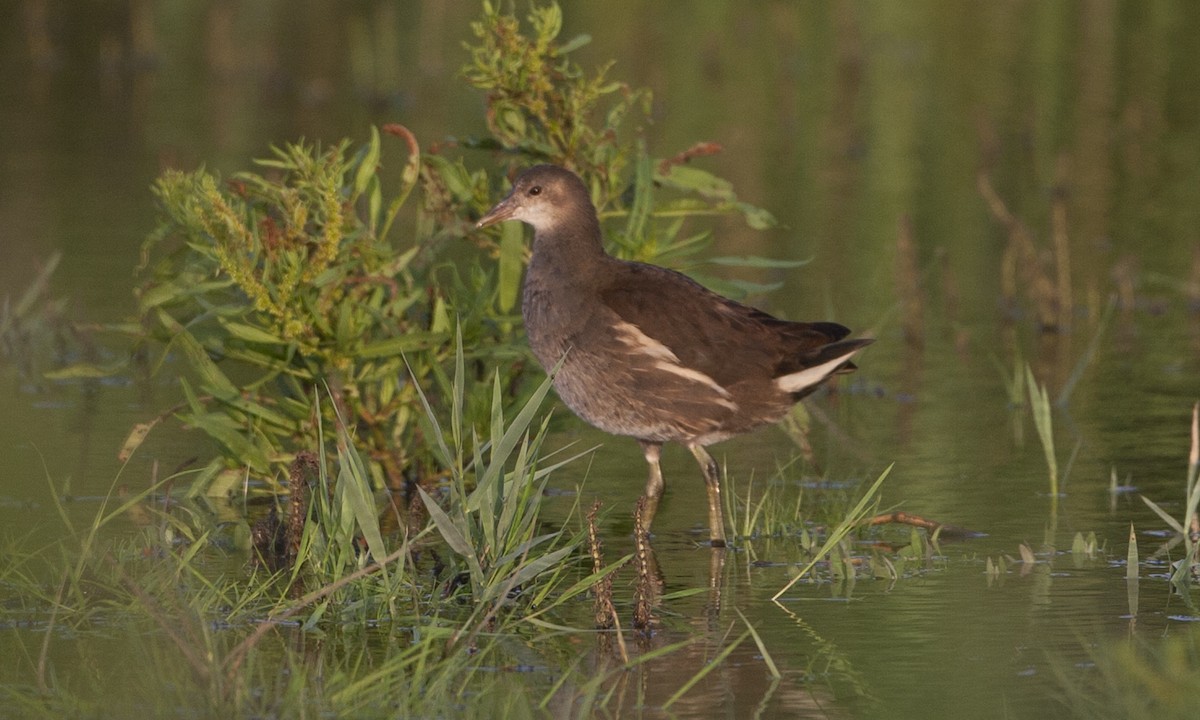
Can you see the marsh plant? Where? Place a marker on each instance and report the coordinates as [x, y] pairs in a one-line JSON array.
[[1186, 528], [283, 283]]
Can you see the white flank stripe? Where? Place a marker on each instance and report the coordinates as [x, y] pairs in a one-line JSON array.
[[632, 335], [699, 377], [808, 377]]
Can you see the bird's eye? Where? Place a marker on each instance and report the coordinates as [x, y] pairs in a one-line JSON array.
[[535, 190]]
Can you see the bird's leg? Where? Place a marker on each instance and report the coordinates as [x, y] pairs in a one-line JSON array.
[[712, 478], [654, 484]]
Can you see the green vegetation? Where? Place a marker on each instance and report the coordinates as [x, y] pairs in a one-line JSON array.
[[397, 638], [317, 273], [286, 282], [1039, 405], [1186, 529], [318, 318]]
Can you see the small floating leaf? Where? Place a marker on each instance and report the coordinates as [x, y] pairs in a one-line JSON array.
[[1027, 555]]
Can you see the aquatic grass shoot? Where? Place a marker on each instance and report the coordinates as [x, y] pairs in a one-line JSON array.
[[853, 519], [1131, 574], [491, 517], [1187, 528], [1039, 406], [775, 512]]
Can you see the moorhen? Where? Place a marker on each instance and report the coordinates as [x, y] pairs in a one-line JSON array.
[[648, 352]]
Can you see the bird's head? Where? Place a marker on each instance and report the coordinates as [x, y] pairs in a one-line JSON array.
[[543, 196]]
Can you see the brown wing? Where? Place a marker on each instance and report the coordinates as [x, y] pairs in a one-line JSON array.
[[709, 333]]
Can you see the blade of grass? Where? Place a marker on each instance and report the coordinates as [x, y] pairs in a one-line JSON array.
[[447, 457], [762, 647], [704, 671], [1064, 395], [1039, 406], [450, 532], [848, 523], [353, 482], [1166, 517], [515, 431]]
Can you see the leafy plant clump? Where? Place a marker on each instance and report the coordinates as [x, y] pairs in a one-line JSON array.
[[284, 284]]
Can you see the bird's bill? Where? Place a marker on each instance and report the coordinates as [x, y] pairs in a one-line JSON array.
[[502, 211]]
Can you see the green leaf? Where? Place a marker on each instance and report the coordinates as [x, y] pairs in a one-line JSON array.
[[511, 263], [840, 531], [713, 188], [215, 380], [733, 287], [353, 483], [457, 179], [539, 565], [394, 347], [643, 201], [514, 432], [440, 323], [225, 483], [755, 261], [374, 201], [438, 436], [693, 179], [524, 549], [1039, 405], [448, 530], [219, 428], [408, 177], [81, 371], [1164, 515], [249, 333], [458, 392], [548, 21], [257, 410], [1131, 556], [203, 483], [160, 294], [704, 671], [368, 163], [757, 218], [762, 647], [574, 44]]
